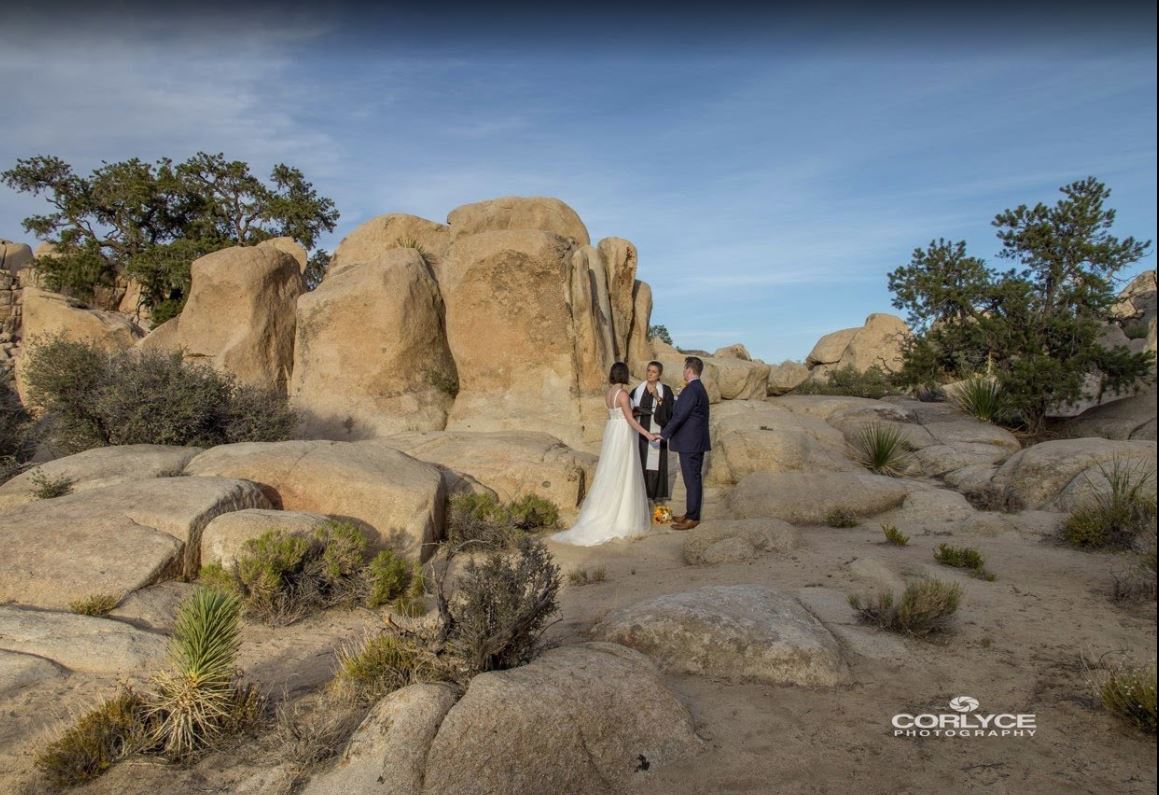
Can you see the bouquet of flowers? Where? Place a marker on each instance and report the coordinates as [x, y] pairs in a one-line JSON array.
[[662, 514]]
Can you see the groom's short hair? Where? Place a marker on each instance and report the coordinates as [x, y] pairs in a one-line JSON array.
[[694, 364]]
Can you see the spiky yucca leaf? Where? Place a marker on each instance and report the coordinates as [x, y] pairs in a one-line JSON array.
[[982, 398], [882, 448], [206, 636]]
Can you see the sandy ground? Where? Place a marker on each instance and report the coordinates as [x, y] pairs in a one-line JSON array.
[[1018, 646]]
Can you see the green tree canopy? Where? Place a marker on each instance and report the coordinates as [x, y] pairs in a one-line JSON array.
[[151, 220], [1035, 326]]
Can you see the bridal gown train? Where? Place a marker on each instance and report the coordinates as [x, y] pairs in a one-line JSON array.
[[616, 506]]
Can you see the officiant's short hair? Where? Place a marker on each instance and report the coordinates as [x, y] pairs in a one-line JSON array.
[[694, 364], [619, 374], [659, 367]]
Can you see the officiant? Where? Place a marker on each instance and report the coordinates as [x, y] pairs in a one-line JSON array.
[[652, 404]]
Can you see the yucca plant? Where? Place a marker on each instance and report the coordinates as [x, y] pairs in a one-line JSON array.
[[201, 699], [981, 397], [881, 448], [1118, 513]]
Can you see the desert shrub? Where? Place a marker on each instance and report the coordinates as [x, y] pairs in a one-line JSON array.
[[587, 576], [309, 737], [881, 448], [482, 519], [841, 517], [1128, 691], [95, 605], [383, 663], [982, 398], [16, 442], [95, 742], [925, 607], [1136, 329], [92, 398], [1115, 516], [894, 536], [1134, 584], [500, 607], [201, 699], [282, 576], [872, 383], [963, 558], [46, 488]]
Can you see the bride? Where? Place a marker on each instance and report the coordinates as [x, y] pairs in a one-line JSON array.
[[616, 506]]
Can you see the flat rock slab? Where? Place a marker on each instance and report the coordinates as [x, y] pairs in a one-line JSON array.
[[737, 540], [805, 498], [402, 499], [81, 643], [387, 753], [99, 468], [225, 536], [112, 540], [18, 671], [589, 719], [1058, 475], [154, 608], [832, 608], [737, 632]]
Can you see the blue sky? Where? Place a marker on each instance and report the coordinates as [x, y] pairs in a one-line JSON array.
[[771, 170]]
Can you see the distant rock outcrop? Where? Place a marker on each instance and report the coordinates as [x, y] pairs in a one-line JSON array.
[[878, 343]]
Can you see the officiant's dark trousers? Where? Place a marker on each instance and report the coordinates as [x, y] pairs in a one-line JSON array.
[[691, 465]]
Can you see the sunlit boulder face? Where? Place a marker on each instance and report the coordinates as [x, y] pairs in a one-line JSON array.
[[878, 343]]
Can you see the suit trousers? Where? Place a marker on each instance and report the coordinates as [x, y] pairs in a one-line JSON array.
[[691, 466]]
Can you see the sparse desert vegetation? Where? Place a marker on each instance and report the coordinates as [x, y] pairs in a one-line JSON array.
[[924, 608]]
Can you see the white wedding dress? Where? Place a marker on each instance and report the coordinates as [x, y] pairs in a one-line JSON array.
[[616, 506]]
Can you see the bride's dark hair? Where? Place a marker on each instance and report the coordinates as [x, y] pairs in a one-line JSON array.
[[619, 374]]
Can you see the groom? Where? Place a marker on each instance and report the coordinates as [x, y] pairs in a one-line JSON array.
[[687, 434]]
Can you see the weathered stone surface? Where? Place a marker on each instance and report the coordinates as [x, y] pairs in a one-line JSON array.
[[734, 351], [18, 671], [240, 315], [591, 311], [99, 468], [519, 213], [387, 754], [400, 498], [620, 259], [510, 463], [14, 257], [1057, 475], [739, 379], [504, 292], [1129, 418], [371, 357], [738, 632], [787, 376], [877, 343], [876, 576], [578, 719], [224, 537], [732, 541], [830, 348], [807, 497], [289, 246], [639, 346], [154, 608], [758, 436], [112, 540], [374, 238], [832, 608], [81, 643]]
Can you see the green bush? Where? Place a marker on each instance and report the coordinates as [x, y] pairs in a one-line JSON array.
[[872, 383], [530, 512], [92, 398], [383, 663], [46, 488], [841, 517], [95, 742], [881, 448], [982, 398], [391, 580], [587, 576], [95, 605], [1128, 692], [483, 519], [1116, 515], [925, 607], [894, 536], [500, 607], [16, 442], [963, 558], [1136, 330]]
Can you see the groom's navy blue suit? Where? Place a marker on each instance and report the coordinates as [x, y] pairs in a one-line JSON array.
[[687, 434]]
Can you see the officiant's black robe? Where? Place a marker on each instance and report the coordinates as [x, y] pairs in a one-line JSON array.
[[656, 480]]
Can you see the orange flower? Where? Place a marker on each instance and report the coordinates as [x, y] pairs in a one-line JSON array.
[[661, 514]]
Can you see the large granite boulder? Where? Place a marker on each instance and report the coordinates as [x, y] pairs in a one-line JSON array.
[[586, 720], [18, 671], [98, 468], [224, 538], [510, 463], [1059, 475], [807, 498], [371, 357], [741, 379], [1129, 418], [537, 213], [786, 376], [738, 540], [81, 643], [14, 257], [877, 343], [736, 632], [113, 540], [374, 238], [240, 315], [401, 499]]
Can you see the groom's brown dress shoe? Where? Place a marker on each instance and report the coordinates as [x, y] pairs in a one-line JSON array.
[[686, 524], [681, 518]]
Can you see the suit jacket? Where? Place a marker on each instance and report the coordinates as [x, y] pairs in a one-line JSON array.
[[687, 431]]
